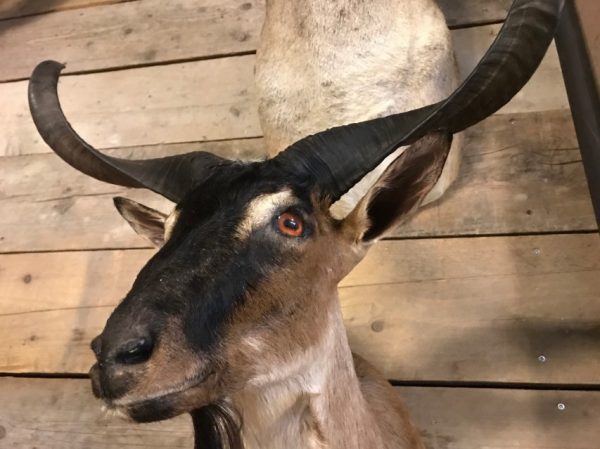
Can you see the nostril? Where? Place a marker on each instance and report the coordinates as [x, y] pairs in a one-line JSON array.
[[135, 351]]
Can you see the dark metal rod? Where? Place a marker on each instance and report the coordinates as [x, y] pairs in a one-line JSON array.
[[582, 91]]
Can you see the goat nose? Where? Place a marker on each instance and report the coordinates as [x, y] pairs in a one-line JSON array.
[[135, 350]]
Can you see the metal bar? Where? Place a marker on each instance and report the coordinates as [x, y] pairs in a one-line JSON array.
[[584, 99]]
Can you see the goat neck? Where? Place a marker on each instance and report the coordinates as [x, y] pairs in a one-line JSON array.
[[317, 403]]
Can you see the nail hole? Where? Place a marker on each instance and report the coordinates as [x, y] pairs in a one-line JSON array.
[[377, 326]]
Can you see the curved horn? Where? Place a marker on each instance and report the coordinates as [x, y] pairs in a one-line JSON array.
[[170, 176], [508, 64]]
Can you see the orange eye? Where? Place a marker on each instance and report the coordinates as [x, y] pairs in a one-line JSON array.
[[290, 224]]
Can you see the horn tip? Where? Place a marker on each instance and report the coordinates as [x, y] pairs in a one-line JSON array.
[[46, 68]]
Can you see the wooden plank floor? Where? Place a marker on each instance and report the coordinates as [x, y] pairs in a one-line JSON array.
[[450, 418], [495, 286], [10, 9], [168, 107], [421, 309]]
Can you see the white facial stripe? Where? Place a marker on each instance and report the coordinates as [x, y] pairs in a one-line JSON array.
[[261, 209]]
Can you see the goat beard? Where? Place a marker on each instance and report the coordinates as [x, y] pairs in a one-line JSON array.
[[217, 425]]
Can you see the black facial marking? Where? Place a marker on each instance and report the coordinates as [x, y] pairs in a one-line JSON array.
[[195, 282], [205, 269], [152, 410]]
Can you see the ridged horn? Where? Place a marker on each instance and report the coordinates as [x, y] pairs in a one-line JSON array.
[[171, 176], [338, 158]]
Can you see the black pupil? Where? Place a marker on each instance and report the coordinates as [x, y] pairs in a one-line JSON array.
[[291, 223]]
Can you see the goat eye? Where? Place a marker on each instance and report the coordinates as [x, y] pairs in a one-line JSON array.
[[290, 224]]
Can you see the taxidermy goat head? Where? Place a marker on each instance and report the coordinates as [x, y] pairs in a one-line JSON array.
[[245, 281]]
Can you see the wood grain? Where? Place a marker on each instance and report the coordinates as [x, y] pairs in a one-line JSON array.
[[480, 309], [112, 36], [70, 210], [461, 418], [205, 100], [18, 8], [133, 33], [521, 173], [62, 414]]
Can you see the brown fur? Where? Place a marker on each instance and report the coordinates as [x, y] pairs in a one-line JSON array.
[[283, 359]]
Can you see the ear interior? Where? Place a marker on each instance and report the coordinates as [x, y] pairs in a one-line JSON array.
[[402, 187], [144, 220]]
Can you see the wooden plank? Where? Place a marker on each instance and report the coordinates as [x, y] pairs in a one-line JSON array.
[[520, 173], [62, 414], [19, 8], [132, 33], [154, 31], [479, 309], [461, 418], [525, 181], [73, 211], [205, 100]]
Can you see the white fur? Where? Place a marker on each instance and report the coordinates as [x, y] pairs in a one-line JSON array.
[[261, 209], [327, 63], [297, 403], [170, 223]]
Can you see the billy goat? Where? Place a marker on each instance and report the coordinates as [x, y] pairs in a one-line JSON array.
[[236, 319]]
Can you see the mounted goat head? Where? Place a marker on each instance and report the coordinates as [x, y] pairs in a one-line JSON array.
[[238, 309]]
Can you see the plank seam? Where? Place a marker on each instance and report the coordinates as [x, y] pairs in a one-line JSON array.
[[59, 309], [460, 278], [396, 383], [496, 385], [142, 146], [492, 235], [143, 65], [390, 239], [475, 24]]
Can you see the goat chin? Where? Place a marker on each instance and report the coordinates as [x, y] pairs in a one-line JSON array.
[[115, 412]]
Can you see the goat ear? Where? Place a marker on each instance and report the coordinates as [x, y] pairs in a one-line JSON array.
[[401, 188], [147, 222]]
